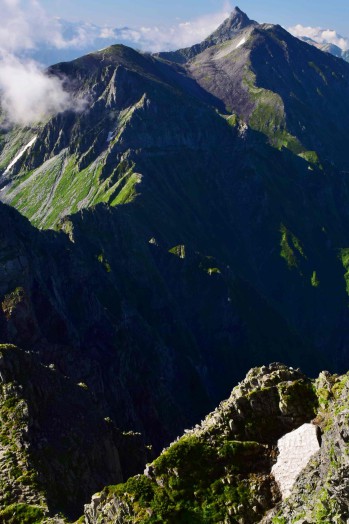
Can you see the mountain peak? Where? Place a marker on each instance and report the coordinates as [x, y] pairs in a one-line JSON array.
[[239, 15], [237, 21]]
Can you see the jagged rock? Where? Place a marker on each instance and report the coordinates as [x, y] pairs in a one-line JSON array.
[[227, 473], [197, 479]]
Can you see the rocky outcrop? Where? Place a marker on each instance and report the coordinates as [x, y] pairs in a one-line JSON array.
[[230, 28], [214, 474], [320, 493], [221, 469]]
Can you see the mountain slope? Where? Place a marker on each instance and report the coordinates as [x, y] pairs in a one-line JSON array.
[[194, 223], [56, 447], [282, 87], [263, 229], [231, 27]]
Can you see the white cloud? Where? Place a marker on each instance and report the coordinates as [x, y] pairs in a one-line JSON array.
[[183, 34], [26, 26], [28, 94], [320, 36]]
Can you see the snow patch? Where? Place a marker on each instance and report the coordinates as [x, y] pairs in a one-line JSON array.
[[242, 42], [20, 154]]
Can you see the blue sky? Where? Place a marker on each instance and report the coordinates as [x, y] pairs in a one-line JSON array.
[[334, 14]]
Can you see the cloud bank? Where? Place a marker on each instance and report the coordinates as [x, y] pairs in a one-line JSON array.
[[27, 93], [320, 36], [183, 34]]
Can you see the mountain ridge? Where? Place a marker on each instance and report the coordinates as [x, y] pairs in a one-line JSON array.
[[234, 24], [190, 221]]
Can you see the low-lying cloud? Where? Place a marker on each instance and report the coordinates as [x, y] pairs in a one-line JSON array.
[[320, 36], [183, 34], [27, 93]]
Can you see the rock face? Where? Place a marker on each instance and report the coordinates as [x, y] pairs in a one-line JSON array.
[[320, 493], [213, 474], [295, 451], [221, 469], [55, 446], [230, 28]]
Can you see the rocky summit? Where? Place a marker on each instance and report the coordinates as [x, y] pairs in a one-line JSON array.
[[188, 221]]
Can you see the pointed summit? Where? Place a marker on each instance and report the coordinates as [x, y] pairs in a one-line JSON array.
[[237, 21]]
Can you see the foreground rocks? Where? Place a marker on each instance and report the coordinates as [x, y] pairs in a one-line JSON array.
[[55, 449], [221, 470]]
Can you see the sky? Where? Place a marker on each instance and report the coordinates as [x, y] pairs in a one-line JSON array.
[[321, 13], [37, 33]]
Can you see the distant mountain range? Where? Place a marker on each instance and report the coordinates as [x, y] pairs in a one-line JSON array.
[[329, 47], [80, 38]]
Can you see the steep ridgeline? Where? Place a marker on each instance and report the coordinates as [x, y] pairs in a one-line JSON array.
[[194, 222], [233, 26], [283, 87], [222, 470]]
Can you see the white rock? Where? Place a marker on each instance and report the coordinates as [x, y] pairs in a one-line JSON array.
[[295, 451]]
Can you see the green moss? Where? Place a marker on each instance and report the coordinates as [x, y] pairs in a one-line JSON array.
[[193, 481], [315, 282], [102, 260], [233, 120], [81, 520], [179, 251], [344, 257], [279, 520], [311, 157], [11, 300], [299, 393], [291, 248], [22, 513], [339, 386], [318, 70], [213, 271]]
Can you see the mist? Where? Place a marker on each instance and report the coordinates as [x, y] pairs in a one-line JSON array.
[[27, 93]]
